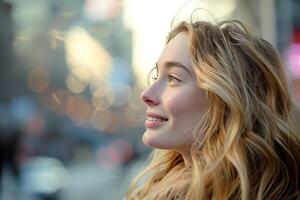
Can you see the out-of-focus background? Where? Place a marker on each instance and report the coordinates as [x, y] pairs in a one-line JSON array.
[[71, 72]]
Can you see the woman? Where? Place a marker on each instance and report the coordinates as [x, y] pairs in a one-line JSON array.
[[220, 118]]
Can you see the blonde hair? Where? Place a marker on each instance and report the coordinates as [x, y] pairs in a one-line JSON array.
[[247, 145]]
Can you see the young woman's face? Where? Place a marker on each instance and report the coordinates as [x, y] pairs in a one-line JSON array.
[[175, 104]]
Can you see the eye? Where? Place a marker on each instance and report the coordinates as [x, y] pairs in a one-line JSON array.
[[172, 78], [153, 75], [154, 78]]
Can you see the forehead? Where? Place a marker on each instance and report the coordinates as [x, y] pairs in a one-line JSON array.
[[176, 50]]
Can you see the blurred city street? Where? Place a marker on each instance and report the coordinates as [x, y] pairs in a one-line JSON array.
[[87, 181], [92, 182]]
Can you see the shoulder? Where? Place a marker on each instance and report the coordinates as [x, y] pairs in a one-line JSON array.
[[174, 185]]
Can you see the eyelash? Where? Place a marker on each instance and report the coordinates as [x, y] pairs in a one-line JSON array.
[[169, 78], [173, 78]]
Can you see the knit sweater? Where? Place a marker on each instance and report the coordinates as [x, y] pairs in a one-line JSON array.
[[174, 185]]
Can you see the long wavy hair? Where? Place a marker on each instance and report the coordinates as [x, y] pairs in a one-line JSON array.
[[247, 145]]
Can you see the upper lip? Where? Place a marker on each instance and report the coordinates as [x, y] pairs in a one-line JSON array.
[[151, 114]]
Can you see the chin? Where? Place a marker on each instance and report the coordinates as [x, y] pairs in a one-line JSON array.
[[151, 142], [148, 141]]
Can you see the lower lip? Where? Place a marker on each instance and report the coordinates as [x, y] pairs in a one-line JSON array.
[[153, 124]]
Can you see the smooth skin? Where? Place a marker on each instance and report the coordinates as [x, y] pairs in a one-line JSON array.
[[174, 95]]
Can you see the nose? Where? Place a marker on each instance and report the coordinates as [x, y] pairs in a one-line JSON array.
[[149, 98]]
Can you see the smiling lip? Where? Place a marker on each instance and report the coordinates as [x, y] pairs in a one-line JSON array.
[[150, 114], [153, 124]]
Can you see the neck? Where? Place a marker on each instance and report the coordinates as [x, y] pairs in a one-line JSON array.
[[187, 158]]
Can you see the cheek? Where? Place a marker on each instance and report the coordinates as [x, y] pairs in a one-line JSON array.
[[185, 109], [178, 105], [175, 105]]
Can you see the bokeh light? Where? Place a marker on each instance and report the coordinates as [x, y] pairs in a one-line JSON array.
[[38, 80], [78, 109], [293, 59], [100, 10], [55, 100], [35, 124], [101, 120], [83, 51], [77, 80], [115, 154], [103, 98], [123, 94]]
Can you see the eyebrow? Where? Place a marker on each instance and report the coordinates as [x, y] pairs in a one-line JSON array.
[[170, 64]]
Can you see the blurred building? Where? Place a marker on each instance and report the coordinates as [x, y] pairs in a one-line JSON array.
[[278, 21], [6, 51]]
